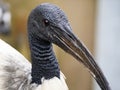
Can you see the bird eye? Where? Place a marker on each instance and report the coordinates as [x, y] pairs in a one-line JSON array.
[[46, 22]]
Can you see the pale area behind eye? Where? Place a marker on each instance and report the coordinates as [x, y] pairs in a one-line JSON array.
[[7, 17]]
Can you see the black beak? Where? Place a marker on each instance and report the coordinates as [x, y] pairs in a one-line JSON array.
[[66, 40]]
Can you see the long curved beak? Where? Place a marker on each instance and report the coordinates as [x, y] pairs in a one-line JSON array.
[[66, 40]]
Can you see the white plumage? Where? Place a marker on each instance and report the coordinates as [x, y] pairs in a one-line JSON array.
[[15, 72]]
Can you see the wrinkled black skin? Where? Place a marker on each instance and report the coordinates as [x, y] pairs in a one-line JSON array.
[[40, 36]]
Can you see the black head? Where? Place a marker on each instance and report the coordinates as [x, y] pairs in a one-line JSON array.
[[49, 23], [44, 19]]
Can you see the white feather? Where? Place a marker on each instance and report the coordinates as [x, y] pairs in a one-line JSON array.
[[53, 84], [14, 68], [15, 72]]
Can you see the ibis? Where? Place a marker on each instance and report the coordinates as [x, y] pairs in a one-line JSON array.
[[47, 25]]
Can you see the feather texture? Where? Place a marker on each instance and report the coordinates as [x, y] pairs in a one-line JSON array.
[[15, 72]]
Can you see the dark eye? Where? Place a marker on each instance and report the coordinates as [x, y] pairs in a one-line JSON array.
[[46, 22]]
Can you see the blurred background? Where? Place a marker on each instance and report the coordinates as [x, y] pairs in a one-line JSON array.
[[95, 22]]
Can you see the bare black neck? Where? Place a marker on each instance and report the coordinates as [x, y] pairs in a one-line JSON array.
[[44, 63]]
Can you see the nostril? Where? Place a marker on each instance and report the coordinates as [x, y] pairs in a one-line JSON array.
[[70, 36], [1, 23]]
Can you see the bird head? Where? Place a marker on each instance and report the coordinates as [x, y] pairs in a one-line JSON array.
[[48, 22], [47, 19]]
